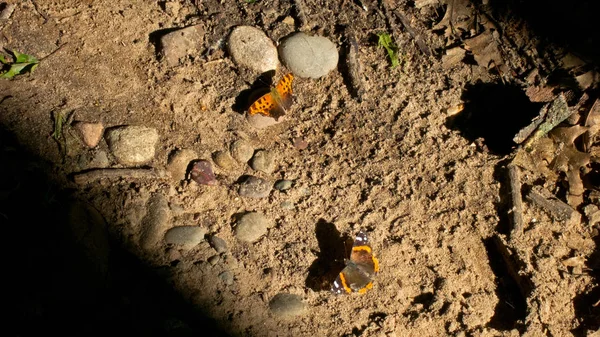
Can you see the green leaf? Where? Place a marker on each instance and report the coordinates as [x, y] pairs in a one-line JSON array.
[[385, 41], [24, 58], [23, 63], [250, 1], [3, 59]]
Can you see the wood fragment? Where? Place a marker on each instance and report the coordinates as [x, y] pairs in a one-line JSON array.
[[7, 11], [517, 201], [415, 35], [87, 177], [556, 208], [558, 111], [354, 67]]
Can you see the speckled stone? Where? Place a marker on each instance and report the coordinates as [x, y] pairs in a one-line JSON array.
[[251, 226], [254, 187], [285, 305], [263, 161], [241, 151], [251, 48], [309, 56]]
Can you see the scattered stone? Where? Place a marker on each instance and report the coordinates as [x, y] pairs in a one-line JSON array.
[[218, 244], [283, 185], [100, 160], [155, 223], [287, 205], [263, 161], [186, 236], [287, 305], [202, 173], [224, 160], [181, 43], [214, 259], [300, 143], [90, 133], [255, 187], [178, 163], [132, 145], [250, 47], [230, 261], [173, 254], [241, 151], [251, 226], [309, 56], [226, 277], [261, 121]]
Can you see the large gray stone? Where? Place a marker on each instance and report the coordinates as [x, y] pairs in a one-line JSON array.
[[132, 145], [251, 48], [308, 56]]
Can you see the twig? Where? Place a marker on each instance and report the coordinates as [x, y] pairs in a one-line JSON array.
[[517, 201], [87, 177], [39, 11], [54, 51], [556, 208], [354, 67], [416, 36]]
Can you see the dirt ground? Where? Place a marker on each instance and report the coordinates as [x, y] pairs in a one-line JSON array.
[[428, 185]]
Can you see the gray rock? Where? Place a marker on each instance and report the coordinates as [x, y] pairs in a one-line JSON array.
[[186, 236], [241, 151], [218, 244], [178, 163], [224, 160], [155, 223], [251, 226], [250, 47], [180, 43], [308, 56], [90, 133], [263, 161], [214, 259], [287, 205], [283, 185], [287, 305], [132, 145], [100, 160], [254, 187], [226, 277]]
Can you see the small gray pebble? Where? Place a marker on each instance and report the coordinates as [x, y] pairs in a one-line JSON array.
[[287, 205], [188, 236], [283, 185], [224, 160], [287, 305], [241, 151], [226, 277], [255, 187], [218, 244], [251, 47], [263, 161], [309, 56], [214, 259], [251, 226]]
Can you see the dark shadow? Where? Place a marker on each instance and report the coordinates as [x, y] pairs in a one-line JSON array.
[[504, 205], [330, 258], [511, 310], [587, 305], [495, 113], [259, 87], [66, 274]]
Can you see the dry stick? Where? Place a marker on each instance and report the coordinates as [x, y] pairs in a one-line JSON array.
[[556, 208], [87, 177], [416, 36], [517, 201], [354, 68]]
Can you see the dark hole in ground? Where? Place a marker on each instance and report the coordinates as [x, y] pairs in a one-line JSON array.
[[425, 299], [495, 113], [511, 310]]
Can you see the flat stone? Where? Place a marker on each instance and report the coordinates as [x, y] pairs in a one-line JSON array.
[[132, 145], [218, 244], [178, 163], [214, 259], [90, 133], [155, 223], [241, 151], [202, 173], [181, 43], [186, 236], [308, 56], [226, 277], [283, 185], [251, 226], [224, 160], [263, 161], [254, 187], [287, 305], [251, 48]]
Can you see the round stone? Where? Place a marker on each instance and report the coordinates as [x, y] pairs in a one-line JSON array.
[[90, 133], [308, 56], [178, 163], [283, 185], [263, 161], [254, 187], [287, 305], [226, 277], [224, 160], [251, 226], [251, 48], [132, 145], [241, 151], [218, 244], [187, 236]]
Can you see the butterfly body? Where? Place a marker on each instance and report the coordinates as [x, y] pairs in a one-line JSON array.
[[276, 102], [357, 275]]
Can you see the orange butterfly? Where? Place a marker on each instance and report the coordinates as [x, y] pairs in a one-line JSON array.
[[275, 103]]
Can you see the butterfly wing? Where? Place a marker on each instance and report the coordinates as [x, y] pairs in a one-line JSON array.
[[263, 105], [284, 91], [362, 255], [359, 271], [275, 103]]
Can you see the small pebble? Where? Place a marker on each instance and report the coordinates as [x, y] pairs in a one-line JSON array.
[[178, 163], [224, 160], [100, 160], [251, 226], [132, 145], [283, 185], [187, 236], [214, 259], [90, 133], [241, 151], [250, 47], [287, 205], [300, 143], [181, 43], [287, 305], [254, 187], [309, 56], [218, 244], [202, 173], [226, 277], [263, 161]]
